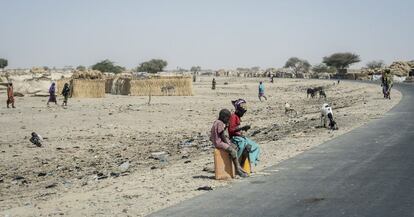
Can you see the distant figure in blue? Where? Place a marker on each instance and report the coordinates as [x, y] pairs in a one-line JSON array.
[[261, 91]]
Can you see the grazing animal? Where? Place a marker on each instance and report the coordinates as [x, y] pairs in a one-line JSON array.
[[322, 94], [167, 89], [317, 89], [311, 92], [326, 113], [289, 111]]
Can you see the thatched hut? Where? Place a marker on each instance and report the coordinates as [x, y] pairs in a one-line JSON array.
[[162, 86], [88, 88], [85, 84]]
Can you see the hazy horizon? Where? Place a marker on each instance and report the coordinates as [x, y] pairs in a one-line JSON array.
[[211, 34]]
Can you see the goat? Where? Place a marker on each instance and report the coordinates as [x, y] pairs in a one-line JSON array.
[[311, 92], [326, 113], [167, 89], [322, 94]]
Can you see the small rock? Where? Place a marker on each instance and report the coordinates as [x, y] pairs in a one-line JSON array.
[[51, 185], [41, 174], [16, 178], [188, 161], [157, 155], [153, 167], [124, 166], [114, 174]]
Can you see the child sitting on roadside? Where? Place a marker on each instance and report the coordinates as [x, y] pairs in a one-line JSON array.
[[220, 141]]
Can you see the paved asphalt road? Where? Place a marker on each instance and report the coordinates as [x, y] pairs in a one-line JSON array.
[[367, 172]]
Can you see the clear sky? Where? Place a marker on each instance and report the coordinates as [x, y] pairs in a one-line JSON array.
[[209, 33]]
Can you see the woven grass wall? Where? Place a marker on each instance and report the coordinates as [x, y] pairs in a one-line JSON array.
[[162, 86], [86, 88]]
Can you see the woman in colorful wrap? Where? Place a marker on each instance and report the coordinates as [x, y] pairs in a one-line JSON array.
[[10, 95], [52, 94], [244, 144]]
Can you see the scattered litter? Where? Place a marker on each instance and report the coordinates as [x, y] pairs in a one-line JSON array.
[[205, 188], [16, 178], [158, 155], [114, 174], [101, 176]]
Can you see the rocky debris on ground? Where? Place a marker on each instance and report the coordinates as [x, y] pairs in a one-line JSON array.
[[124, 166]]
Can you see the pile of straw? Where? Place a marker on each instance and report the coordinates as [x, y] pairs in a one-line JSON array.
[[162, 86], [87, 74]]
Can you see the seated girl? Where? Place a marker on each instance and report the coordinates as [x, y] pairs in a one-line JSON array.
[[244, 144]]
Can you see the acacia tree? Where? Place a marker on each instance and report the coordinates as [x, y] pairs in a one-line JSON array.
[[152, 66], [81, 68], [341, 61], [3, 63], [108, 66], [195, 69], [297, 65], [375, 64], [322, 67]]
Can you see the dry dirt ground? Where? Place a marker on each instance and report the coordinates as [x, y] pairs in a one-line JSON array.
[[96, 159]]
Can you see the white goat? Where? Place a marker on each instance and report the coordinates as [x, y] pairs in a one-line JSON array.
[[326, 113]]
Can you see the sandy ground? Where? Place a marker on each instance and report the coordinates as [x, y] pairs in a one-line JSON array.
[[96, 160]]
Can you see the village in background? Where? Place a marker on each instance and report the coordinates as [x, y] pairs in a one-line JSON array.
[[150, 78]]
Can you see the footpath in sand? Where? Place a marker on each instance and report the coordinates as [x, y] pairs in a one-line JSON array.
[[97, 158]]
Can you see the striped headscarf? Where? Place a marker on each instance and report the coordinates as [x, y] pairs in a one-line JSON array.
[[239, 105]]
